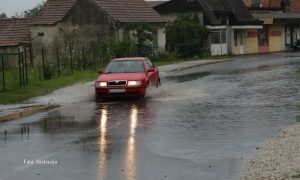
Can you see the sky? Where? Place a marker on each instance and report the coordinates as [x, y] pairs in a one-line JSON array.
[[10, 7]]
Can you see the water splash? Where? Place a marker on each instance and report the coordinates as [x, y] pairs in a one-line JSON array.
[[76, 93]]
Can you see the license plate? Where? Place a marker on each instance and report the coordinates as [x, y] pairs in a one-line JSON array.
[[116, 90]]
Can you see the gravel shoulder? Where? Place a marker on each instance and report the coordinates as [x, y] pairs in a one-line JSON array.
[[277, 159]]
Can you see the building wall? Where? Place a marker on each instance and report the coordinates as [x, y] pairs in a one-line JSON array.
[[277, 38], [251, 42], [11, 61], [248, 3], [294, 6], [84, 26], [271, 3], [161, 38]]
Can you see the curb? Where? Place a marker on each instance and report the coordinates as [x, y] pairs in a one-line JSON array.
[[28, 112]]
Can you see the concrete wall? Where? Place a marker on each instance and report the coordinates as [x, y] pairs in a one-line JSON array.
[[277, 38], [251, 42], [85, 25], [12, 61], [161, 38]]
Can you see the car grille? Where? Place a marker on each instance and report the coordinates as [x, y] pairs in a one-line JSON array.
[[117, 83]]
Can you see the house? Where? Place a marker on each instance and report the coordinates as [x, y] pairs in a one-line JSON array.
[[14, 37], [281, 24], [229, 22], [77, 23], [291, 5]]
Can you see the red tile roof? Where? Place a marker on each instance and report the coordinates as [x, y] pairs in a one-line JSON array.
[[120, 10], [54, 11], [14, 32], [130, 11]]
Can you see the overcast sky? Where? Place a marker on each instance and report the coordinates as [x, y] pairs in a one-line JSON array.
[[10, 7]]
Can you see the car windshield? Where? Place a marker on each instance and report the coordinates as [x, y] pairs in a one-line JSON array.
[[125, 67]]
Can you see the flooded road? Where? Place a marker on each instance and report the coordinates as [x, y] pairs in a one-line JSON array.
[[199, 125]]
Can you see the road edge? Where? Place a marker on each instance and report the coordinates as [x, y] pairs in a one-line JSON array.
[[27, 112]]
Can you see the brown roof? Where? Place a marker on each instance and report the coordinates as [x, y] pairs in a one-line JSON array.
[[14, 32], [54, 11], [236, 9], [120, 10], [130, 10]]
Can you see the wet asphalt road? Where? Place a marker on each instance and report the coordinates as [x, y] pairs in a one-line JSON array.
[[199, 125]]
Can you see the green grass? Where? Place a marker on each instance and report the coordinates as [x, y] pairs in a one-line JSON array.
[[39, 87], [298, 118], [296, 176]]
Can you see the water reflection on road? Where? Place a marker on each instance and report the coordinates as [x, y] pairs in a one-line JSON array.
[[109, 121], [196, 126]]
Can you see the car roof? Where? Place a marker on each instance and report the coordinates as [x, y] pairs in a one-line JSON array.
[[130, 59]]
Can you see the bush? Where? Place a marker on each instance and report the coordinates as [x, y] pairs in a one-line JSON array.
[[112, 48], [164, 56], [186, 37]]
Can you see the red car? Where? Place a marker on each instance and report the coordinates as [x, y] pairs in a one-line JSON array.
[[126, 77]]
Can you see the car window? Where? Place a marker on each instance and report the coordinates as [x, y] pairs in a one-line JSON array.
[[151, 65], [125, 67]]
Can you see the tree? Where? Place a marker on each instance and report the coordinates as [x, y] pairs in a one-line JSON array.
[[185, 36], [142, 36], [34, 11], [3, 16]]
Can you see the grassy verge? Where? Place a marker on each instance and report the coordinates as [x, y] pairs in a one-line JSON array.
[[38, 87]]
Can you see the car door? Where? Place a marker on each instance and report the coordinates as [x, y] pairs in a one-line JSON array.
[[152, 76]]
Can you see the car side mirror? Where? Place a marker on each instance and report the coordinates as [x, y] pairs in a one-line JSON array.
[[151, 70], [100, 72]]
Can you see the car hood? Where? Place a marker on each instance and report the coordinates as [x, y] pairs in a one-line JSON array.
[[121, 76]]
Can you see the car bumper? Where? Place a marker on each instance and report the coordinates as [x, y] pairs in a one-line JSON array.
[[113, 92]]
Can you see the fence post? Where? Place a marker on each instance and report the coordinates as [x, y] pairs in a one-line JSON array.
[[83, 58], [20, 70], [43, 60], [71, 59], [23, 68], [94, 57], [26, 72], [58, 65], [31, 56], [3, 73]]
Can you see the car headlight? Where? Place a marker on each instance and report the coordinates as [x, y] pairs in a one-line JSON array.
[[101, 84], [134, 83]]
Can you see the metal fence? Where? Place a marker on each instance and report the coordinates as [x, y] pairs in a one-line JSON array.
[[18, 70], [13, 73]]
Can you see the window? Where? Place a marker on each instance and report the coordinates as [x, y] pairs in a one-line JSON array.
[[130, 66], [150, 63], [218, 37], [41, 34]]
